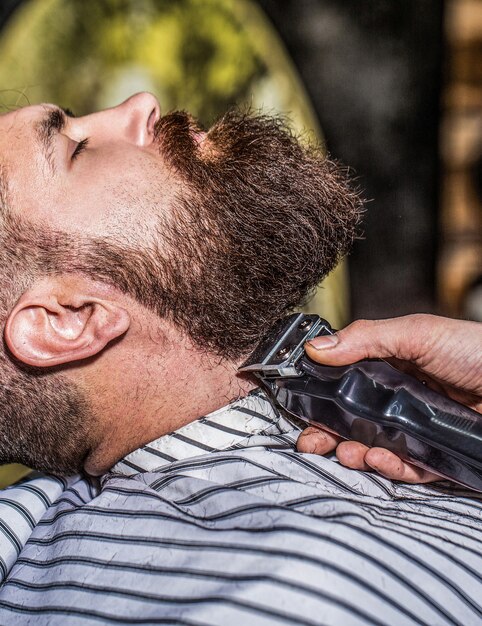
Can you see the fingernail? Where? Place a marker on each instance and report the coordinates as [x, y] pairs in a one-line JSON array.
[[324, 341]]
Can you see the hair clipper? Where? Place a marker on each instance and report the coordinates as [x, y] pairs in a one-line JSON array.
[[369, 401]]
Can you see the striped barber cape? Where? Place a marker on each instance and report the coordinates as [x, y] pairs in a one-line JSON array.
[[224, 523]]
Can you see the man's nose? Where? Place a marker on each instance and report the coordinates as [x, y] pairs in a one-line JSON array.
[[133, 120], [141, 111]]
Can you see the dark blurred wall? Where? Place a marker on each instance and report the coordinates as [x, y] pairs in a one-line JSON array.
[[7, 7], [373, 70]]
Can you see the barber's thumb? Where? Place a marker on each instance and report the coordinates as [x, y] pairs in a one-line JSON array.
[[332, 350], [363, 339]]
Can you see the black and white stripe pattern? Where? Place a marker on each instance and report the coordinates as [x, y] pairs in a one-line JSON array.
[[223, 522]]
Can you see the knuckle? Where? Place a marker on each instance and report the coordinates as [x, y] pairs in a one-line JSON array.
[[359, 326], [419, 335]]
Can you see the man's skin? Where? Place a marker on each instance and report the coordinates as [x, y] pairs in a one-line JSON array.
[[153, 377]]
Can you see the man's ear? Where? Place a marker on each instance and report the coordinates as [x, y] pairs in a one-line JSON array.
[[64, 319]]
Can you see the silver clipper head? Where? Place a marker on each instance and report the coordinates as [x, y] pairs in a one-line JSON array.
[[278, 354]]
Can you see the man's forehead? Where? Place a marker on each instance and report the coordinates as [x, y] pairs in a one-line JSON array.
[[17, 126], [24, 117], [30, 109], [20, 132]]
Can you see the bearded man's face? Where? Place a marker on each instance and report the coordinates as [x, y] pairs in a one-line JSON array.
[[220, 232]]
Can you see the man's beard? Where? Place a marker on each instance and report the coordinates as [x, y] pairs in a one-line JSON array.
[[260, 221], [44, 420], [264, 221]]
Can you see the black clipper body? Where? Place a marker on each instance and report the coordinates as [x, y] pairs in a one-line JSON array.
[[369, 401]]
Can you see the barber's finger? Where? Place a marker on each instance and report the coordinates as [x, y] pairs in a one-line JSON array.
[[393, 467], [352, 455], [402, 337], [316, 441]]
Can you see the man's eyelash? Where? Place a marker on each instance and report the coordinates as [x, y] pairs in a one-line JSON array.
[[81, 146]]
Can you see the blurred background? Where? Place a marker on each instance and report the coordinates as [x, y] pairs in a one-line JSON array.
[[393, 89]]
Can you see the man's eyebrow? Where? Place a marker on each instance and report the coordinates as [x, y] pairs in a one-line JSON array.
[[4, 202], [52, 123]]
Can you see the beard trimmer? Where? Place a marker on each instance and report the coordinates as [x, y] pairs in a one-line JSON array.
[[369, 401]]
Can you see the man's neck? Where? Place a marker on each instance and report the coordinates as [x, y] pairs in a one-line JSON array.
[[156, 389]]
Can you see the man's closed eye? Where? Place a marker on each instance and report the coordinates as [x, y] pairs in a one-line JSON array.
[[81, 146]]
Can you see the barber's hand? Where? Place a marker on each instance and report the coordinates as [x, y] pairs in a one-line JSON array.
[[445, 353]]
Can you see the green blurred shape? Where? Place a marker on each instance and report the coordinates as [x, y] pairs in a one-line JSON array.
[[10, 474], [194, 54]]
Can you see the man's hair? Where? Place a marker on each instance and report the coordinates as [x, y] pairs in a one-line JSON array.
[[258, 221]]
